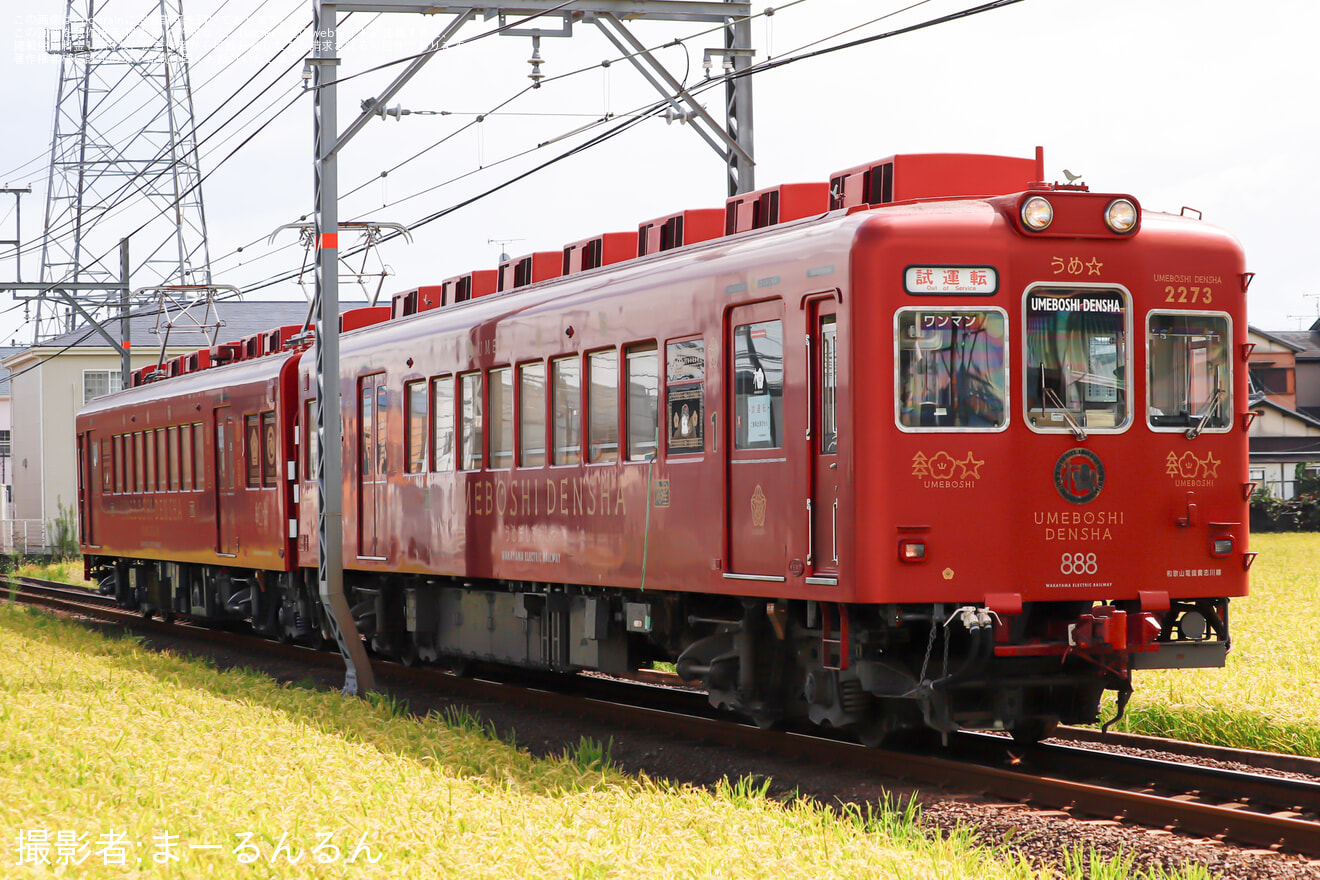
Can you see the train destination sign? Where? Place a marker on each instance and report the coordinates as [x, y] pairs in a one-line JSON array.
[[976, 280], [1081, 302]]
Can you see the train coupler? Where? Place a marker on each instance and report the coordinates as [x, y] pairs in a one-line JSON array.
[[1106, 628], [1102, 632]]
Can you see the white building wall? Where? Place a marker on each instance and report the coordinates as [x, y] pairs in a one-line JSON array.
[[46, 400], [26, 400], [6, 462]]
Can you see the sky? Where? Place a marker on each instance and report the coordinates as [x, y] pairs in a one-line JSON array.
[[1197, 104]]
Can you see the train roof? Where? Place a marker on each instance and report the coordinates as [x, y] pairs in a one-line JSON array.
[[198, 382], [901, 185]]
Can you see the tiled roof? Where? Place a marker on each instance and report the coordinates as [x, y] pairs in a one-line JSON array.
[[238, 319]]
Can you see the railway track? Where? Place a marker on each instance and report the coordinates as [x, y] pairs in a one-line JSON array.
[[1251, 809]]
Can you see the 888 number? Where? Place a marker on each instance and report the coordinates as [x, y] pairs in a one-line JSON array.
[[1078, 563]]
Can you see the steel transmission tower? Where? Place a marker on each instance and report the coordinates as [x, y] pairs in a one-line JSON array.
[[123, 154]]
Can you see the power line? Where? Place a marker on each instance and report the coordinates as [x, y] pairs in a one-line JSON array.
[[769, 65], [124, 192], [122, 95]]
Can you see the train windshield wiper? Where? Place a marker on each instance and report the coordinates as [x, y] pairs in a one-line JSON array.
[[1053, 399], [1211, 409]]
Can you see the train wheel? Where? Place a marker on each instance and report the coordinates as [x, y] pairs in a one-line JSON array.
[[460, 667], [1033, 730], [408, 651], [876, 733]]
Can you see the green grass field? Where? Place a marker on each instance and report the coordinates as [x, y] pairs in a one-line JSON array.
[[116, 761], [1265, 698], [67, 571]]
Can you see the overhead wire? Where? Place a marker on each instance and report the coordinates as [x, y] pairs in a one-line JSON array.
[[629, 123], [713, 82], [247, 140], [122, 95], [193, 63], [679, 42], [117, 198]]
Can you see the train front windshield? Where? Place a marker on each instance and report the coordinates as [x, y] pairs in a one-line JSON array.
[[1076, 359], [951, 369], [1190, 380]]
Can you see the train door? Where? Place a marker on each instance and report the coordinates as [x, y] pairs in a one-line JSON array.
[[823, 435], [760, 494], [372, 399], [87, 454], [226, 500]]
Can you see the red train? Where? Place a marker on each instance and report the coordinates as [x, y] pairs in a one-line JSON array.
[[934, 444]]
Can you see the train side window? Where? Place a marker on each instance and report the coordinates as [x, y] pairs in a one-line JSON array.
[[759, 385], [148, 444], [829, 385], [952, 369], [501, 417], [442, 424], [108, 468], [1189, 380], [172, 442], [382, 428], [685, 373], [643, 402], [118, 466], [531, 414], [139, 470], [414, 400], [185, 457], [270, 449], [162, 461], [567, 403], [603, 406], [308, 438], [252, 433], [219, 454], [470, 442], [198, 457], [1076, 359]]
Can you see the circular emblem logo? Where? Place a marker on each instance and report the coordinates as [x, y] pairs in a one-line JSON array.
[[1079, 476]]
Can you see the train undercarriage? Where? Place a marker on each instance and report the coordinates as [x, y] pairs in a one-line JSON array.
[[877, 670]]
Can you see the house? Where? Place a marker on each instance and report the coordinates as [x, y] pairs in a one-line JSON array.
[[1285, 392], [51, 381]]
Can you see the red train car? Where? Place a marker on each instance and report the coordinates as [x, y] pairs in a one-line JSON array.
[[949, 461], [183, 491]]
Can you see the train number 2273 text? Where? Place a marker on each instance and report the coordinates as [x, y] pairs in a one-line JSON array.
[[1184, 294]]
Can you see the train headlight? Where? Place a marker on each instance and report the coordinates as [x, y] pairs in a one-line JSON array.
[[912, 551], [1221, 546], [1121, 216], [1037, 213]]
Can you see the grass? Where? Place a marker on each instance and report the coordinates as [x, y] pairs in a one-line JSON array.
[[118, 751], [1265, 698], [69, 571]]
